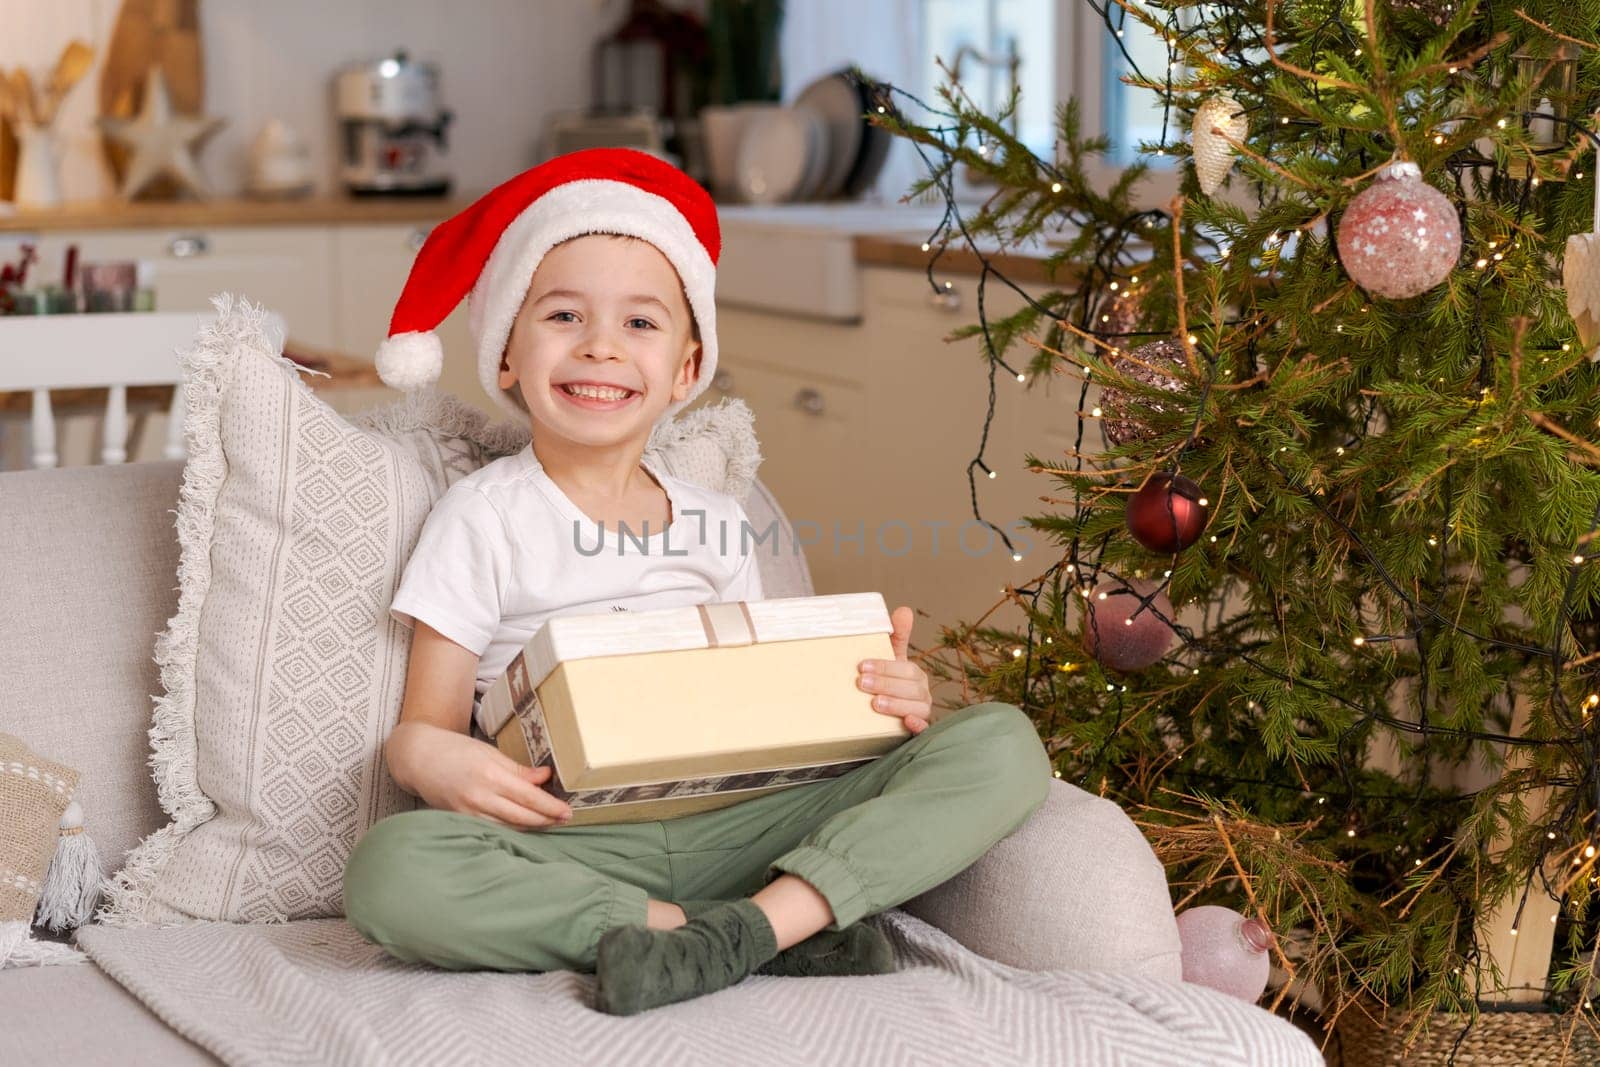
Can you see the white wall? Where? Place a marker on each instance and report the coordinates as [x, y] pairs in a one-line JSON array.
[[503, 64]]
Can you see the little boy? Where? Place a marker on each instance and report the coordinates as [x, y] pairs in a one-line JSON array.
[[591, 279]]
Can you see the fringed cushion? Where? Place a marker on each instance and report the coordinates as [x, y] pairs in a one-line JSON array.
[[282, 669]]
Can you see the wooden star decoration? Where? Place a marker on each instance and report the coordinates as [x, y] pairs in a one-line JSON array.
[[161, 142]]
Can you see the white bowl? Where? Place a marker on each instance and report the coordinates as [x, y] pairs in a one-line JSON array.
[[774, 155]]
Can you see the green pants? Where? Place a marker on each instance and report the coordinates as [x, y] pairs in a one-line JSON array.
[[465, 893]]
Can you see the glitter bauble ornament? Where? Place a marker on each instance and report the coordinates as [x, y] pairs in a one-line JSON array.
[[1216, 120], [1399, 236], [1225, 951], [1580, 274], [1120, 636], [1167, 514], [1116, 316], [1121, 411]]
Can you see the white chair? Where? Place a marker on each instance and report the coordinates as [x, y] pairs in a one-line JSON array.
[[97, 351]]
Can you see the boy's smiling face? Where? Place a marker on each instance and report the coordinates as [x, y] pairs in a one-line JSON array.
[[602, 312]]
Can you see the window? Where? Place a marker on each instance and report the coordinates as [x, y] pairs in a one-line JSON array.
[[1131, 114], [1063, 49], [984, 37]]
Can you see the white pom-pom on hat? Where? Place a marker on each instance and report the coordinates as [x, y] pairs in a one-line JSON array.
[[411, 360]]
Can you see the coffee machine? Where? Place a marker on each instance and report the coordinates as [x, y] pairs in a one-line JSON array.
[[391, 128]]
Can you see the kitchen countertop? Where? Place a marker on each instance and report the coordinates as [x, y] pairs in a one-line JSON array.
[[887, 251], [312, 211], [888, 235]]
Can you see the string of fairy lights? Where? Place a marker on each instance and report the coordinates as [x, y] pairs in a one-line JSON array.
[[1112, 269]]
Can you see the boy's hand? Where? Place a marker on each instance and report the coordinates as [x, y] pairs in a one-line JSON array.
[[900, 687], [454, 772]]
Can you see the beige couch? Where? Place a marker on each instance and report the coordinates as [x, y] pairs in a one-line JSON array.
[[88, 557]]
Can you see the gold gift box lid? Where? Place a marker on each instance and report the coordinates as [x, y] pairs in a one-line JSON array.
[[570, 638]]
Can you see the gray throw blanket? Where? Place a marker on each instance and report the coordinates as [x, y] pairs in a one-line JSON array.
[[312, 991]]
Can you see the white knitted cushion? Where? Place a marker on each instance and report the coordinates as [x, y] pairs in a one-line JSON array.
[[283, 671]]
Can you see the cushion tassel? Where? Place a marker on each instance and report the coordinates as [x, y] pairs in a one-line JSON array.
[[72, 885]]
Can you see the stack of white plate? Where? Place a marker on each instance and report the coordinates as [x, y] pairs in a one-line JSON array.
[[820, 148]]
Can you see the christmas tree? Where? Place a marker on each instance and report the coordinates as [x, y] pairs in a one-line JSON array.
[[1321, 611]]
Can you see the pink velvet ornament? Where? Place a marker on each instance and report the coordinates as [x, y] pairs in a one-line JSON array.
[[1115, 641], [1399, 236], [1225, 951]]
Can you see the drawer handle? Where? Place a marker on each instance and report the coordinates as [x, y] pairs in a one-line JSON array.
[[949, 300], [723, 381], [810, 401], [189, 246], [416, 237]]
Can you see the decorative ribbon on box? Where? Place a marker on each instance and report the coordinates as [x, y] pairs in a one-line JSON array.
[[655, 714]]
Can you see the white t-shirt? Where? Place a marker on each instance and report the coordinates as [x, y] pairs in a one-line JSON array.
[[505, 548]]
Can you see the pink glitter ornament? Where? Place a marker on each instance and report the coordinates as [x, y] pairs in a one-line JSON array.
[[1225, 951], [1113, 640], [1399, 236]]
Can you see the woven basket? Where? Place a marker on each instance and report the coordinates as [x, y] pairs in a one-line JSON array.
[[1496, 1039]]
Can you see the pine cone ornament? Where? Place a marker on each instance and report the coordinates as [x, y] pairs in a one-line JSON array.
[[1214, 121], [1580, 274], [1122, 412]]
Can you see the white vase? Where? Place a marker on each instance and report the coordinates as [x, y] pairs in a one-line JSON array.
[[38, 167]]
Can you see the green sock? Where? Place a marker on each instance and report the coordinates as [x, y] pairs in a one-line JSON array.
[[638, 968], [857, 949]]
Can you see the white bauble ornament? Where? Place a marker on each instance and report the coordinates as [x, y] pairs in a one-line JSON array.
[[1216, 120]]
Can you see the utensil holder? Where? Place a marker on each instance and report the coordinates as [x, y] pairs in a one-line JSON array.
[[38, 167]]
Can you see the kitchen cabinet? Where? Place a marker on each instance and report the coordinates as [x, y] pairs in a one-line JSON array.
[[873, 424], [371, 263], [289, 269], [929, 397], [797, 343], [812, 432], [335, 285]]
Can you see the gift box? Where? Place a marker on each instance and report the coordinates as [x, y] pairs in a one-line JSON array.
[[655, 714]]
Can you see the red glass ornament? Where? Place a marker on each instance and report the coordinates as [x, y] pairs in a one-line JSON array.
[[1167, 514], [1118, 638]]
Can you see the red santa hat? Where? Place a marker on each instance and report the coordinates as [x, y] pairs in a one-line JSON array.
[[489, 252]]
